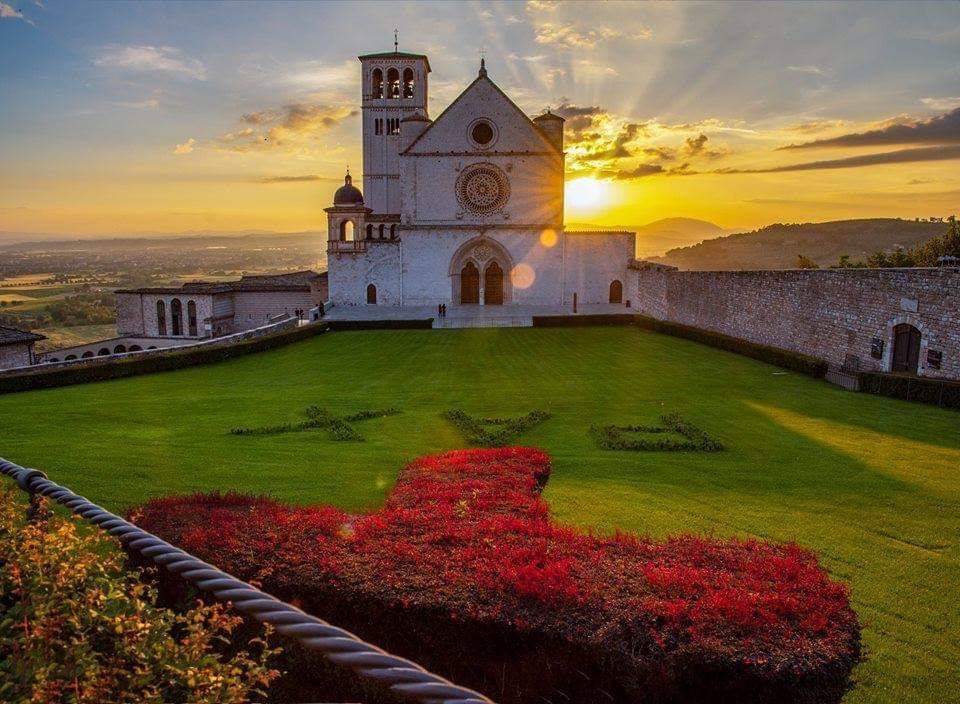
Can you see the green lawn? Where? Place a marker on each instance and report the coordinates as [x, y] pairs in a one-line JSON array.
[[873, 484]]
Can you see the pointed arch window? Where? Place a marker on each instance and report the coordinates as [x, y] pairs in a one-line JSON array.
[[192, 318], [176, 317], [376, 83], [161, 319], [408, 83], [369, 232], [393, 83]]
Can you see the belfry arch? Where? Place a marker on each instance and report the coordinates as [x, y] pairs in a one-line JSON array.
[[480, 264]]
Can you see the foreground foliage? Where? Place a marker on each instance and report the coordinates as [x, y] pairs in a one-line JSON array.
[[465, 556], [76, 626]]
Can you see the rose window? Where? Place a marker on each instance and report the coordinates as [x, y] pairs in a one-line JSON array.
[[483, 189]]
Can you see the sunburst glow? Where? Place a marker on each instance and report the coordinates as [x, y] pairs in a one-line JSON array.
[[587, 194]]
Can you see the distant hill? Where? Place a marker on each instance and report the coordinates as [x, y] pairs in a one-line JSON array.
[[658, 236], [777, 246]]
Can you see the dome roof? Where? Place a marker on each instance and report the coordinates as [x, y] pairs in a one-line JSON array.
[[348, 194]]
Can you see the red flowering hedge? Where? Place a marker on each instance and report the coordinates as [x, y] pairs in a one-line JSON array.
[[464, 571]]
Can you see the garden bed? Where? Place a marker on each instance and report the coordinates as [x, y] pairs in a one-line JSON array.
[[464, 571]]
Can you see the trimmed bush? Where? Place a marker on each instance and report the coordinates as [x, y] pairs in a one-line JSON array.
[[938, 392], [630, 437], [493, 432], [347, 325], [795, 361], [77, 626], [337, 428], [581, 321], [464, 571]]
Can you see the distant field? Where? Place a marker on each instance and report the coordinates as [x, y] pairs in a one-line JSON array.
[[74, 335], [871, 483]]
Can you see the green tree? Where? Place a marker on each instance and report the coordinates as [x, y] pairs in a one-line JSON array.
[[804, 262]]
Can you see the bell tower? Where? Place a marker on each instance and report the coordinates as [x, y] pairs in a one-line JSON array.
[[394, 86]]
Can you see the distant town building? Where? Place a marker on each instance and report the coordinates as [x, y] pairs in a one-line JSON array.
[[201, 310], [16, 347]]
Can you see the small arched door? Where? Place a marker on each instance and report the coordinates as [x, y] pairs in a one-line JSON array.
[[906, 349], [469, 284], [371, 294], [616, 291]]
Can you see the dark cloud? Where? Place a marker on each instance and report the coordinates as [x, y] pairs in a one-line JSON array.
[[901, 156], [620, 147], [697, 146], [659, 153], [943, 129], [645, 170]]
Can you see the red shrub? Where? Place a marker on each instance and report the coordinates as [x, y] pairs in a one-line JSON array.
[[464, 571]]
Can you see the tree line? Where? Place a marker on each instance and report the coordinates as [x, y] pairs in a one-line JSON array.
[[926, 254]]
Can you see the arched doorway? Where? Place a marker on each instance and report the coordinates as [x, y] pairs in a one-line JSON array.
[[469, 284], [906, 349], [371, 294], [493, 285], [616, 291]]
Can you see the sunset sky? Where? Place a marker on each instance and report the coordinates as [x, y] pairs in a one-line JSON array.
[[170, 117]]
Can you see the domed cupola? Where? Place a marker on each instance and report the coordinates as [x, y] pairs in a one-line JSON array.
[[348, 194]]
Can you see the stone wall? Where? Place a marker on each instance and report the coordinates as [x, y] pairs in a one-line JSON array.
[[16, 355], [255, 308], [844, 316]]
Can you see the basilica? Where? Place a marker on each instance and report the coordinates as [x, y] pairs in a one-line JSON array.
[[464, 209]]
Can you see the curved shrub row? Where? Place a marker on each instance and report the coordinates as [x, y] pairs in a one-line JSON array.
[[464, 571]]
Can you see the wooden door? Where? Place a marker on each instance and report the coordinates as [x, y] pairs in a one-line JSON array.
[[493, 285], [469, 284], [616, 292], [906, 349]]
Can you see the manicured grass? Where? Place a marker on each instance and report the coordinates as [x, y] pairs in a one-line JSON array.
[[871, 483]]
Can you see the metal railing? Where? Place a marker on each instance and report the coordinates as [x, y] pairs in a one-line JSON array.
[[402, 676]]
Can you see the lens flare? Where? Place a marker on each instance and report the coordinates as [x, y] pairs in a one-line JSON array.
[[548, 237], [522, 275]]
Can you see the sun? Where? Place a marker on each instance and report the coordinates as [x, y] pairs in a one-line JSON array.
[[587, 194]]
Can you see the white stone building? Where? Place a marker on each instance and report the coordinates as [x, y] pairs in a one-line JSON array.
[[466, 209]]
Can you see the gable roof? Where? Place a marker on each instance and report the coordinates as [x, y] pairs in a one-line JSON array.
[[13, 336], [396, 55], [483, 77]]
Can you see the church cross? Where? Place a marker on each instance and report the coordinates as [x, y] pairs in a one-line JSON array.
[[396, 40]]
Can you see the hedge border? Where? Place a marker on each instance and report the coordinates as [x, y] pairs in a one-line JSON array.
[[787, 359], [177, 358], [579, 321], [407, 324], [936, 392]]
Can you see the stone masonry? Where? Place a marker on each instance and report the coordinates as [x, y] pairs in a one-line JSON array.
[[844, 316]]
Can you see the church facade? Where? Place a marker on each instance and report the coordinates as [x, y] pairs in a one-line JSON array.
[[466, 209]]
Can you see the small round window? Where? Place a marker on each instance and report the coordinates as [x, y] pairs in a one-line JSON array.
[[482, 133]]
